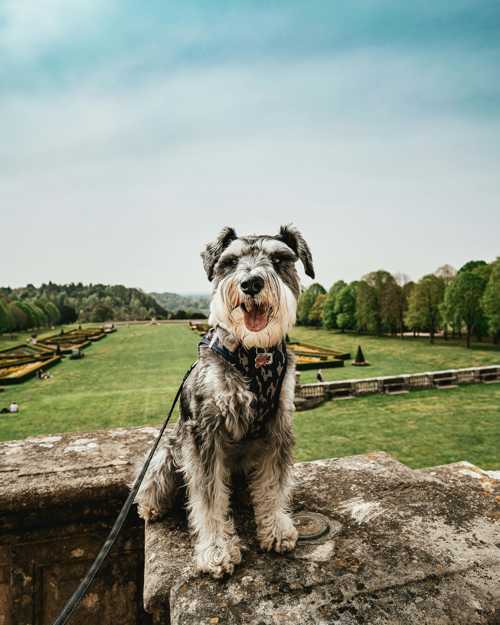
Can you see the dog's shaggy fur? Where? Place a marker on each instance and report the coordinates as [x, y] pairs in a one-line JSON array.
[[255, 292]]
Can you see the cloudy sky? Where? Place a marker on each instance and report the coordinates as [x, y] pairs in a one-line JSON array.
[[131, 132]]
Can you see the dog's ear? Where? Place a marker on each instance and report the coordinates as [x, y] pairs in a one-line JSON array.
[[213, 250], [290, 235]]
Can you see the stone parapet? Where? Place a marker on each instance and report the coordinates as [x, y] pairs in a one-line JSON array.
[[59, 496], [402, 547]]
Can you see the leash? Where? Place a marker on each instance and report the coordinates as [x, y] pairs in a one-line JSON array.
[[80, 592]]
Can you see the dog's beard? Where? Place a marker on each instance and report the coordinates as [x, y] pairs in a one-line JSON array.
[[261, 321]]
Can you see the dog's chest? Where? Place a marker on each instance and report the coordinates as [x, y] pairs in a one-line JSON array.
[[263, 372]]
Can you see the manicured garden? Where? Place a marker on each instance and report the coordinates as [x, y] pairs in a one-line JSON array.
[[130, 378], [393, 355]]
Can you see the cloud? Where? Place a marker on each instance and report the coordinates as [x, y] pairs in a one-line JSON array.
[[370, 91], [28, 28], [128, 142]]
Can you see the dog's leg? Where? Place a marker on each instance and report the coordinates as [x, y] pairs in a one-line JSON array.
[[157, 491], [217, 547], [270, 488]]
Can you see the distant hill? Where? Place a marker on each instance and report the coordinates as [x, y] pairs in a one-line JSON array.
[[30, 307], [196, 303]]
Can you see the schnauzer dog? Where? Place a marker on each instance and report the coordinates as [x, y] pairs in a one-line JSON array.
[[237, 404]]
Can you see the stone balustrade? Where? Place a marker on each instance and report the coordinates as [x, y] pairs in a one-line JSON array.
[[398, 383]]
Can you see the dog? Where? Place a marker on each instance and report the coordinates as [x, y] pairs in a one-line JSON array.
[[237, 404]]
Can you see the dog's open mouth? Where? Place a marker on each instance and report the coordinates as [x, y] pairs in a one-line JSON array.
[[255, 316]]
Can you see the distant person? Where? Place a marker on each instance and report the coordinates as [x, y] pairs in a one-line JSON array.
[[319, 376], [13, 407]]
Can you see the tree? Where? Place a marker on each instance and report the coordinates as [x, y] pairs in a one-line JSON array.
[[449, 312], [39, 314], [407, 289], [471, 265], [68, 314], [50, 310], [316, 312], [329, 314], [53, 313], [100, 313], [31, 315], [367, 319], [345, 307], [465, 296], [424, 310], [447, 273], [306, 302], [491, 300], [379, 281], [391, 296], [19, 317], [6, 320]]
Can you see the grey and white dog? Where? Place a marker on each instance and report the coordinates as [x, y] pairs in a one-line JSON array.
[[237, 404]]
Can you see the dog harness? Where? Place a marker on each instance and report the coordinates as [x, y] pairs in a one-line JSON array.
[[263, 370]]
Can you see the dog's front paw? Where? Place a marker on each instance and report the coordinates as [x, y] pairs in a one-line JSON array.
[[218, 558], [148, 513], [279, 535]]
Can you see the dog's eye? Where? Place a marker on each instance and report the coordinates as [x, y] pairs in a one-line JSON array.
[[229, 261]]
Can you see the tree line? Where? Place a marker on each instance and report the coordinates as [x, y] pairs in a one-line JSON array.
[[51, 304], [457, 303]]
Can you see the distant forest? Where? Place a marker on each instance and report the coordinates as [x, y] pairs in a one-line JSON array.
[[189, 303], [31, 307]]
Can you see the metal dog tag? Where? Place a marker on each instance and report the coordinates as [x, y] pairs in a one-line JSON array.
[[263, 360]]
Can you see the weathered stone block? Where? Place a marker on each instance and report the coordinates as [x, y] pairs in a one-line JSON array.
[[403, 547], [59, 496]]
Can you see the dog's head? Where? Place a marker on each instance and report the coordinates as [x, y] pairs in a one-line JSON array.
[[256, 284]]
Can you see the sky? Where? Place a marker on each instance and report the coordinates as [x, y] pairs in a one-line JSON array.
[[132, 132]]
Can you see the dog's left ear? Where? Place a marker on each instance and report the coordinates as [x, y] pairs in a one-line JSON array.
[[213, 250], [293, 238]]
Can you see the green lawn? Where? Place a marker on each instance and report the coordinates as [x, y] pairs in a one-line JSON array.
[[127, 378], [130, 377], [421, 429]]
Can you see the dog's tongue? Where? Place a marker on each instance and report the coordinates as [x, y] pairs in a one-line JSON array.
[[255, 319]]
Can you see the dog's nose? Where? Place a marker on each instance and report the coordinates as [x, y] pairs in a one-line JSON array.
[[252, 285]]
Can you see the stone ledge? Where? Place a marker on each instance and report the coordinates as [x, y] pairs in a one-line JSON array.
[[403, 547], [40, 474], [59, 496]]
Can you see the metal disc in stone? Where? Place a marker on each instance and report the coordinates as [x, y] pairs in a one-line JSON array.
[[311, 525]]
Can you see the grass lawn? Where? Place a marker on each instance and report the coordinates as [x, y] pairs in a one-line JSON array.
[[130, 377], [421, 429]]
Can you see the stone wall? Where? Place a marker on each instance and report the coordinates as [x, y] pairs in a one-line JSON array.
[[59, 496], [342, 389], [400, 546]]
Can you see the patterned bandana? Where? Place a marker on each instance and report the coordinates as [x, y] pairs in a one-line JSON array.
[[263, 370]]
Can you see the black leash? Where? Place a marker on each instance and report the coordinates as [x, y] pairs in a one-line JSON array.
[[79, 593]]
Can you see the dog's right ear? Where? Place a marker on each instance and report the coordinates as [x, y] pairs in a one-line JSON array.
[[292, 237], [213, 250]]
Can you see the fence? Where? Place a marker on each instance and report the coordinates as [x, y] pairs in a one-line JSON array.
[[399, 384]]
